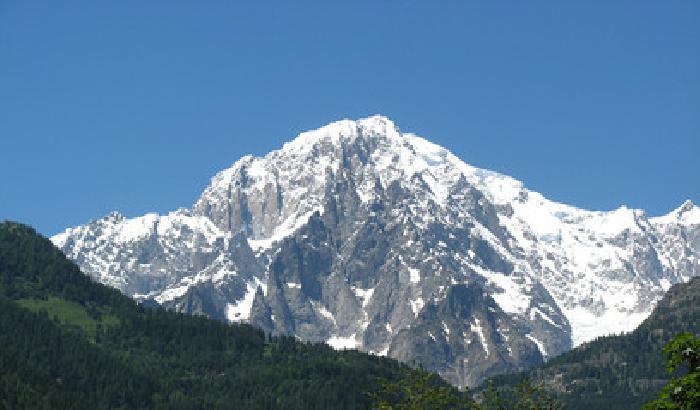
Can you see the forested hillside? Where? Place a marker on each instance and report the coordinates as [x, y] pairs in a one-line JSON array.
[[619, 372], [68, 342]]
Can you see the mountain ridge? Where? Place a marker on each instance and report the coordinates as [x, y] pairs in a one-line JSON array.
[[350, 233]]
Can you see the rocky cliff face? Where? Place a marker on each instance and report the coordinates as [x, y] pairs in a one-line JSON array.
[[365, 237]]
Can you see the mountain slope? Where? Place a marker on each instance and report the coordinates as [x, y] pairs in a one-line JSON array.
[[68, 342], [366, 237], [620, 372]]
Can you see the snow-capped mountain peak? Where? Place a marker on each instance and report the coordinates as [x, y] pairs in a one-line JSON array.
[[345, 130], [361, 235]]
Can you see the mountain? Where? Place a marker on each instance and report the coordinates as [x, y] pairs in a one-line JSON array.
[[619, 372], [70, 343], [363, 236]]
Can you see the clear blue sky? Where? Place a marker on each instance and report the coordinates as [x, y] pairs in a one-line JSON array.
[[133, 107]]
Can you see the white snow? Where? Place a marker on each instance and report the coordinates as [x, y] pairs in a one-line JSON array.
[[416, 305], [173, 293], [323, 311], [665, 284], [59, 240], [365, 295], [343, 342], [446, 330], [537, 312], [611, 322], [136, 228], [476, 327], [383, 352], [512, 298], [414, 275], [240, 310], [287, 228], [539, 344]]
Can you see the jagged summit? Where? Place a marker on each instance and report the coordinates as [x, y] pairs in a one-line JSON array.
[[376, 126], [293, 180], [114, 216], [364, 236], [687, 214]]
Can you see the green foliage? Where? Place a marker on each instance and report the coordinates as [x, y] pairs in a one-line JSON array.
[[72, 314], [45, 366], [526, 395], [419, 390], [682, 392], [67, 342]]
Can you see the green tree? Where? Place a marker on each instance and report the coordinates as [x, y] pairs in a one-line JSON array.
[[419, 390], [525, 396], [682, 392]]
